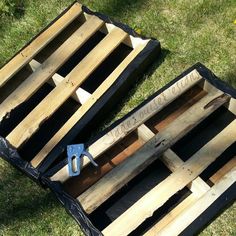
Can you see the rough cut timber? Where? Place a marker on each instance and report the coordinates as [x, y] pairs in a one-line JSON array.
[[60, 84], [162, 166]]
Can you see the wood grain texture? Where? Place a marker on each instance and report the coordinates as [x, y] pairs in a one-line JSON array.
[[172, 161], [50, 66], [80, 95], [222, 171], [66, 88], [107, 161], [25, 55], [189, 214], [98, 93], [142, 209], [147, 154], [132, 122]]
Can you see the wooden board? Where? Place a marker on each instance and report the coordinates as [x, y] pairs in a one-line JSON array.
[[156, 130], [81, 55]]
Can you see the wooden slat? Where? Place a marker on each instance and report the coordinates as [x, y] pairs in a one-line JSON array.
[[131, 123], [82, 110], [142, 209], [190, 200], [80, 95], [198, 186], [221, 172], [146, 112], [67, 87], [123, 173], [192, 212], [22, 58], [232, 105], [50, 66], [172, 161]]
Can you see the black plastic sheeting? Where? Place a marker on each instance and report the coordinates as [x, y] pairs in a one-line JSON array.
[[124, 81], [73, 206], [11, 155]]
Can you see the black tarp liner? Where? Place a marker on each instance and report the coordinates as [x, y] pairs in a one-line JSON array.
[[95, 114], [74, 207]]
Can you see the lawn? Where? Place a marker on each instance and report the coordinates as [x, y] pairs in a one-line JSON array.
[[189, 31]]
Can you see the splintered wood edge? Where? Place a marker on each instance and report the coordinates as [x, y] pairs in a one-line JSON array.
[[140, 116], [25, 55], [120, 175], [142, 209]]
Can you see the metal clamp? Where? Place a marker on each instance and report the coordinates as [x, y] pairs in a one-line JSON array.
[[74, 154]]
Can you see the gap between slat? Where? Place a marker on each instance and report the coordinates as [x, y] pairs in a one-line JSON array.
[[64, 90], [172, 161]]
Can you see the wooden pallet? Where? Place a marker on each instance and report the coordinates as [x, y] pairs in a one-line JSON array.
[[191, 127], [52, 83]]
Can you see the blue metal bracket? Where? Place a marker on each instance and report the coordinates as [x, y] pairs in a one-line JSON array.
[[74, 154]]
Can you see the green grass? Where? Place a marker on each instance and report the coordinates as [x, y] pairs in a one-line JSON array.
[[189, 31]]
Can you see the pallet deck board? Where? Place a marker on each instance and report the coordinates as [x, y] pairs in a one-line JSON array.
[[79, 63], [175, 182], [81, 55], [120, 175], [66, 88], [146, 112], [22, 58], [189, 106], [173, 161], [89, 103], [188, 215]]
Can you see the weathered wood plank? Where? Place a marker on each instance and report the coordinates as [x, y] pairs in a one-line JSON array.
[[80, 95], [221, 172], [172, 161], [232, 105], [67, 87], [50, 66], [150, 151], [142, 209], [63, 174], [187, 216], [131, 123], [190, 200], [22, 58]]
